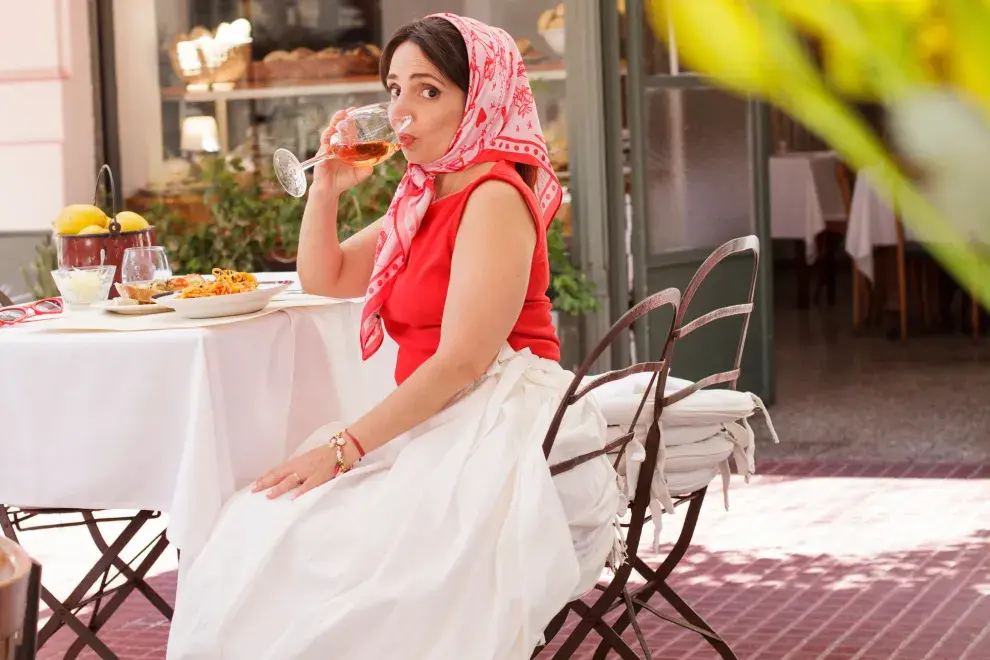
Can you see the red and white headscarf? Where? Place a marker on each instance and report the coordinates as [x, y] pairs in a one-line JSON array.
[[500, 123]]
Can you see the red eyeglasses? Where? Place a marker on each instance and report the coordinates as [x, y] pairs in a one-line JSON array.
[[17, 313]]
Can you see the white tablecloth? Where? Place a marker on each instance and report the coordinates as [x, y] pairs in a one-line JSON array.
[[872, 223], [804, 194], [175, 420]]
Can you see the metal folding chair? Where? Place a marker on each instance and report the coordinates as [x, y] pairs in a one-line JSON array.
[[617, 595], [110, 592]]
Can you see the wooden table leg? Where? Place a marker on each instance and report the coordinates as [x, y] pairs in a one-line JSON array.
[[901, 280], [857, 300], [975, 313]]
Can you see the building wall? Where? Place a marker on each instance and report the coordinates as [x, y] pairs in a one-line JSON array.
[[47, 129]]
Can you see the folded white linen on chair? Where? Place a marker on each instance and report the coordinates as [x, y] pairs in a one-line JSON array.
[[698, 435], [620, 399]]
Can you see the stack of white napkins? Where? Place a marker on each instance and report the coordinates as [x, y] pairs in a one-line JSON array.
[[699, 434]]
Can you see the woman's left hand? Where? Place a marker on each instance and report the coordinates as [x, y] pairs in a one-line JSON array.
[[301, 473]]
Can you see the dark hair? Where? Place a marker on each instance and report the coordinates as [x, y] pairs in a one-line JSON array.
[[443, 45]]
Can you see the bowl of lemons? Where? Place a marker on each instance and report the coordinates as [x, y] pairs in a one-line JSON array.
[[86, 237]]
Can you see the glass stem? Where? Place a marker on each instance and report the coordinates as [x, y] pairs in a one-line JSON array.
[[315, 160]]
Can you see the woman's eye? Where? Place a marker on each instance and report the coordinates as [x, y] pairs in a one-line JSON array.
[[430, 93], [393, 91]]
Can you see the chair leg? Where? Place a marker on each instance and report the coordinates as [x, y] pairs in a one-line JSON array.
[[857, 300], [592, 617], [653, 578], [902, 291], [830, 241], [685, 610], [552, 629], [915, 279], [803, 276], [609, 636], [926, 308]]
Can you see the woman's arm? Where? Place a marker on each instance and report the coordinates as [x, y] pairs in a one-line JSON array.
[[489, 276], [326, 267]]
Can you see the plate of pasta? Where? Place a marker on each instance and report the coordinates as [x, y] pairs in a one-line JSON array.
[[225, 293]]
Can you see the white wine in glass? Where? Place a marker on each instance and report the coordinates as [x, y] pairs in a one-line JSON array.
[[364, 138]]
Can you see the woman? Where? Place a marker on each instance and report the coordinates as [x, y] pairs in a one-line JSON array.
[[449, 539]]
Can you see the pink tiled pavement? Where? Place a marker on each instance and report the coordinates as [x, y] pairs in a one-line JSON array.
[[814, 560]]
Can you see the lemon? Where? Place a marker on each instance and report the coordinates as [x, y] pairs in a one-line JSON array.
[[76, 217], [131, 221], [92, 229]]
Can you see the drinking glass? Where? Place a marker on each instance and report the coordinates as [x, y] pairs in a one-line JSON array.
[[364, 138], [144, 264]]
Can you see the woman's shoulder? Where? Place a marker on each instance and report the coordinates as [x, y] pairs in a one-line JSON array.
[[501, 204], [499, 196], [503, 183]]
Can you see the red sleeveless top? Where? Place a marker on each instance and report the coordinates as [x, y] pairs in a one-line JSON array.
[[413, 312]]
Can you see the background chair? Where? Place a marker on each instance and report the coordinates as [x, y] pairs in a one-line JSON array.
[[20, 583]]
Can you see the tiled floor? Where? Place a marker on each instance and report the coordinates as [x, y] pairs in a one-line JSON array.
[[814, 560], [841, 397]]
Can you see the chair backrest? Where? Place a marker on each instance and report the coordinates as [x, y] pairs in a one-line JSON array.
[[576, 391], [15, 574], [684, 328], [660, 369], [681, 328]]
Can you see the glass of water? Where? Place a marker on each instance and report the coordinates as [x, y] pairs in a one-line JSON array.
[[144, 264]]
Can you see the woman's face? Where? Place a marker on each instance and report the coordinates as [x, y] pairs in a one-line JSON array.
[[436, 105]]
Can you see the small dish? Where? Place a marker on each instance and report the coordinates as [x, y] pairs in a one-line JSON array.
[[81, 287], [129, 307]]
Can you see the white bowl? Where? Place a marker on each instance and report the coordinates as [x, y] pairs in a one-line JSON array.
[[231, 304], [555, 39]]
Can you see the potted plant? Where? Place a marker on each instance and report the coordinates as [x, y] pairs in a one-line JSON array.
[[571, 292]]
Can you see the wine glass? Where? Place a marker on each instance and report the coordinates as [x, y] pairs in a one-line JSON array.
[[364, 138], [144, 264]]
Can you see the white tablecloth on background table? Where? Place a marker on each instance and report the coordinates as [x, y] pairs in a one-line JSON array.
[[804, 194], [872, 223], [175, 420]]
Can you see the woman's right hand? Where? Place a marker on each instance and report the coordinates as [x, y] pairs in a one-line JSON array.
[[333, 175]]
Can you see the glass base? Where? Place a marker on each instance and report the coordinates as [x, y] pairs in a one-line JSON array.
[[289, 172]]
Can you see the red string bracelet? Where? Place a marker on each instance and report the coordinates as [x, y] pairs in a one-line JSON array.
[[357, 444]]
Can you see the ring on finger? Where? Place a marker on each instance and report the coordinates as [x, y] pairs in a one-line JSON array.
[[299, 480]]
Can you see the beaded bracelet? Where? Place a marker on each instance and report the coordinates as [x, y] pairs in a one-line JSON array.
[[337, 443]]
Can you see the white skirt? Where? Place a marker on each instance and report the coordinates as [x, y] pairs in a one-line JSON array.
[[450, 542]]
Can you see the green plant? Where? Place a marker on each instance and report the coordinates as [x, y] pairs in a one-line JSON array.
[[252, 220], [239, 235], [570, 290], [38, 275]]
